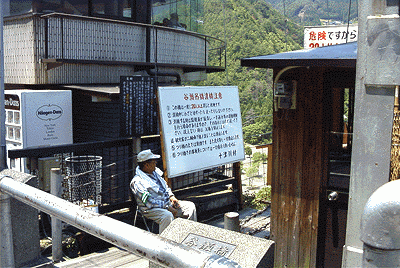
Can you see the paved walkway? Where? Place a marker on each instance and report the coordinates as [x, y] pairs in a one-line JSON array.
[[112, 257]]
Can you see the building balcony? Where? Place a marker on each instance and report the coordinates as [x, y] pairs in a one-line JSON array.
[[60, 48]]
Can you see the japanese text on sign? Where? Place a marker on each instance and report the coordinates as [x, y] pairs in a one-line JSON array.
[[209, 245], [201, 127], [330, 35], [138, 106]]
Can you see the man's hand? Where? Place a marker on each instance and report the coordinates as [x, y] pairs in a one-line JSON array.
[[173, 211], [175, 202]]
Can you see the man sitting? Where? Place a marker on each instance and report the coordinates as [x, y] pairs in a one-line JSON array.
[[153, 196]]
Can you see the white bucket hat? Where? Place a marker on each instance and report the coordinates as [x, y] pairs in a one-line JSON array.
[[146, 155]]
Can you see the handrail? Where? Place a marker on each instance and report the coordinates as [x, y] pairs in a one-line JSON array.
[[55, 14], [41, 151], [162, 251]]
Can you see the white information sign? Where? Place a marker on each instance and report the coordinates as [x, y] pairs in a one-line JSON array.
[[202, 127], [329, 35]]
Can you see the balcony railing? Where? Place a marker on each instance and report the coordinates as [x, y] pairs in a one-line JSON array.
[[70, 49], [89, 40]]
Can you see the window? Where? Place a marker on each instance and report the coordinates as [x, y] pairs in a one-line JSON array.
[[47, 6], [179, 14], [10, 133], [16, 7], [17, 132], [9, 117], [12, 163], [17, 118], [77, 7], [111, 8]]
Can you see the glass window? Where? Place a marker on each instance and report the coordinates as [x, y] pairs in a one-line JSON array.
[[98, 7], [10, 117], [12, 163], [180, 14], [17, 134], [17, 7], [125, 9], [10, 133], [109, 8], [112, 8], [65, 6], [49, 6], [141, 11], [77, 7], [16, 118]]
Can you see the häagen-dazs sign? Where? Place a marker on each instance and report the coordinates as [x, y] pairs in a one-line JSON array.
[[11, 102], [49, 112]]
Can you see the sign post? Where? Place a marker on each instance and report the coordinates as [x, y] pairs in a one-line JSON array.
[[3, 156], [201, 127]]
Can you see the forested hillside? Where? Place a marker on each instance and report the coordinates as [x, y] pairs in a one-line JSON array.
[[310, 12], [251, 28]]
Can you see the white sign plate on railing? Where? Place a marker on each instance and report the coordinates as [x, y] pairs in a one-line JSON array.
[[201, 127]]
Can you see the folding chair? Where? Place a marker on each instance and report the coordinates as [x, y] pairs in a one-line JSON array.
[[139, 213]]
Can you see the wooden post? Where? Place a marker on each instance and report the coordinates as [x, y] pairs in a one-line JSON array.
[[238, 176], [166, 178], [269, 166], [136, 148]]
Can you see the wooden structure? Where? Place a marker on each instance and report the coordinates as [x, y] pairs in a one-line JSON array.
[[269, 161], [311, 163]]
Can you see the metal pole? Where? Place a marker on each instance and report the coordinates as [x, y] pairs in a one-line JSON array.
[[164, 252], [379, 227], [56, 230], [3, 163], [6, 238]]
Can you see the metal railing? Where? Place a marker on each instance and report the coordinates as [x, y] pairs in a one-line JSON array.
[[118, 168], [164, 252], [117, 165]]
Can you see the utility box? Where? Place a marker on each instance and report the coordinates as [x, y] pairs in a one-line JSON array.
[[36, 118], [44, 171]]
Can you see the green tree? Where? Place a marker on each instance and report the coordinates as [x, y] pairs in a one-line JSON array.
[[251, 172], [248, 151], [310, 12], [259, 158]]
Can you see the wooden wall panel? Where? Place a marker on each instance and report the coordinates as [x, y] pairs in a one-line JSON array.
[[95, 121], [297, 157]]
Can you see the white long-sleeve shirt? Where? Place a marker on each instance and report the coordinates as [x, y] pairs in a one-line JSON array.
[[150, 190]]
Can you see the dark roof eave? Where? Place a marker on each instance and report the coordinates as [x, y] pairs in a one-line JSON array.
[[275, 63]]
